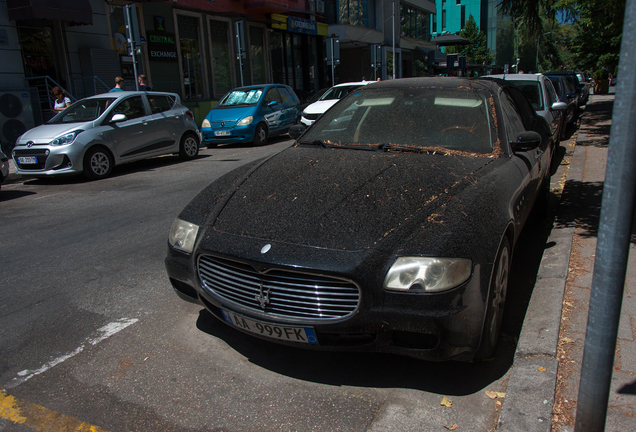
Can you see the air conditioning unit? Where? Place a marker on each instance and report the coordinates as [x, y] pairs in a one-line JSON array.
[[16, 117], [320, 6]]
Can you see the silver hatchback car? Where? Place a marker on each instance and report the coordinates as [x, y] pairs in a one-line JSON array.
[[94, 134]]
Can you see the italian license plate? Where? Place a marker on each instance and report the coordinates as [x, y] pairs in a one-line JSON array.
[[28, 160], [292, 334], [222, 133]]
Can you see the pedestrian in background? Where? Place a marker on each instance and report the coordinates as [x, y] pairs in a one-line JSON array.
[[143, 83], [119, 85], [61, 100]]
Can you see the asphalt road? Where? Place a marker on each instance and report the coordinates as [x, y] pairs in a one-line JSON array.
[[91, 330]]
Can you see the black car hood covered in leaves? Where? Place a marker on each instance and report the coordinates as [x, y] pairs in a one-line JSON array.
[[340, 198]]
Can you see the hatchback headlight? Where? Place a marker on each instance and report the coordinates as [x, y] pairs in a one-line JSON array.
[[421, 274], [183, 235], [205, 123], [65, 139], [247, 120]]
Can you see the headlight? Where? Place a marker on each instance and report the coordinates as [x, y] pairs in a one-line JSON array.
[[205, 124], [244, 122], [65, 139], [419, 274], [183, 235]]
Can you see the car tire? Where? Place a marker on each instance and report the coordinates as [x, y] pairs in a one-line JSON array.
[[189, 147], [98, 163], [260, 135], [496, 302]]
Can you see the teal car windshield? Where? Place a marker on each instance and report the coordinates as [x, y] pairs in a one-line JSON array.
[[241, 97]]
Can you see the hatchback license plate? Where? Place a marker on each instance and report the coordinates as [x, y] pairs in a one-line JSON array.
[[292, 334], [28, 160], [222, 133]]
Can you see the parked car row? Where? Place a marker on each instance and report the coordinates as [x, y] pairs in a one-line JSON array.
[[389, 225]]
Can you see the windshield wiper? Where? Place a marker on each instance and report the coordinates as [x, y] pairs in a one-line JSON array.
[[387, 146], [338, 146]]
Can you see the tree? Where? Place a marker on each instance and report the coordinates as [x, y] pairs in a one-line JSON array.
[[478, 52]]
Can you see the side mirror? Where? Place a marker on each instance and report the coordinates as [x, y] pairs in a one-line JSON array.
[[296, 131], [528, 140], [118, 118], [272, 103], [558, 106]]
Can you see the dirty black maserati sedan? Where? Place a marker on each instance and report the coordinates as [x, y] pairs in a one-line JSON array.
[[388, 226]]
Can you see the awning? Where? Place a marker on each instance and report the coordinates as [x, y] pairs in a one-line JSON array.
[[451, 39], [76, 12]]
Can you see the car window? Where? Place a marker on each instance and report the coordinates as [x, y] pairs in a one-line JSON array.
[[453, 119], [284, 94], [339, 92], [83, 111], [513, 123], [552, 96], [160, 103], [132, 108], [241, 97], [532, 90], [271, 96], [556, 82], [524, 108]]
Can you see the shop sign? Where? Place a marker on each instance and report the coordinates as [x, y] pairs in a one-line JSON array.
[[162, 46], [301, 25]]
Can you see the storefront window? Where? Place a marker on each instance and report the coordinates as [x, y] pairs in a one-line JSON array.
[[220, 47], [37, 52], [257, 55], [413, 23], [190, 57]]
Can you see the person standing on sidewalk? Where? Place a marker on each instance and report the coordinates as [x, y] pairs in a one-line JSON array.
[[119, 85]]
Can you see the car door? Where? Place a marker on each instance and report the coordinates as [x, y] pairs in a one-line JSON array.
[[273, 111], [551, 98], [528, 162], [290, 102], [166, 121], [133, 136]]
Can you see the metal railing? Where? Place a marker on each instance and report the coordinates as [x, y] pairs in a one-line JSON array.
[[44, 85]]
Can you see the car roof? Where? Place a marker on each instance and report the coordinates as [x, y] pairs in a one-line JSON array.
[[517, 77], [115, 95], [354, 83], [446, 82]]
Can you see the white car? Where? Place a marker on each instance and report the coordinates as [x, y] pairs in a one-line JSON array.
[[331, 96], [540, 92]]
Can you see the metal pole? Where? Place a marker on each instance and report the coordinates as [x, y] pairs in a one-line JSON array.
[[613, 243], [393, 37], [131, 45], [333, 63]]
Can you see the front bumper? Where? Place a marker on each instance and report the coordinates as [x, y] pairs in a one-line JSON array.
[[439, 326], [238, 134], [49, 160]]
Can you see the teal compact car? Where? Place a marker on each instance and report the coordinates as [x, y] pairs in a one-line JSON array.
[[251, 115]]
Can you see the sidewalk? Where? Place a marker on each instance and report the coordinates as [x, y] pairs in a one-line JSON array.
[[544, 382]]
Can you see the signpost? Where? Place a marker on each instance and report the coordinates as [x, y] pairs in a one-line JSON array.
[[240, 45], [333, 56], [376, 59], [132, 36]]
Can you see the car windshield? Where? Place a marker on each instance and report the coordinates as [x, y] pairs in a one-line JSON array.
[[241, 97], [436, 119], [339, 92], [84, 110], [532, 90], [557, 84]]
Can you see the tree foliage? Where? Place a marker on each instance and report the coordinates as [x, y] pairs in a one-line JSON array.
[[478, 52]]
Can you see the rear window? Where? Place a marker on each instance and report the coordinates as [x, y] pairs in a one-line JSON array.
[[452, 119]]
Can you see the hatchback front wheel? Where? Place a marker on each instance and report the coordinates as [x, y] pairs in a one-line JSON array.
[[98, 163]]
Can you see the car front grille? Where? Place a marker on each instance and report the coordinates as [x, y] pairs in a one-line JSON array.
[[311, 116], [283, 293], [41, 154]]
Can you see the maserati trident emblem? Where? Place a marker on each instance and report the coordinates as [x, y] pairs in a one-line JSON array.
[[263, 299]]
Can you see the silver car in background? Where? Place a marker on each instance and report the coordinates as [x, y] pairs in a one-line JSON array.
[[94, 134], [4, 167], [543, 97]]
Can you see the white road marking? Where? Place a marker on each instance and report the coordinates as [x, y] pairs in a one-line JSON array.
[[103, 333]]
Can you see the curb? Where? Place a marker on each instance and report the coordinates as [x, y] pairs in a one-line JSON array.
[[530, 394]]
